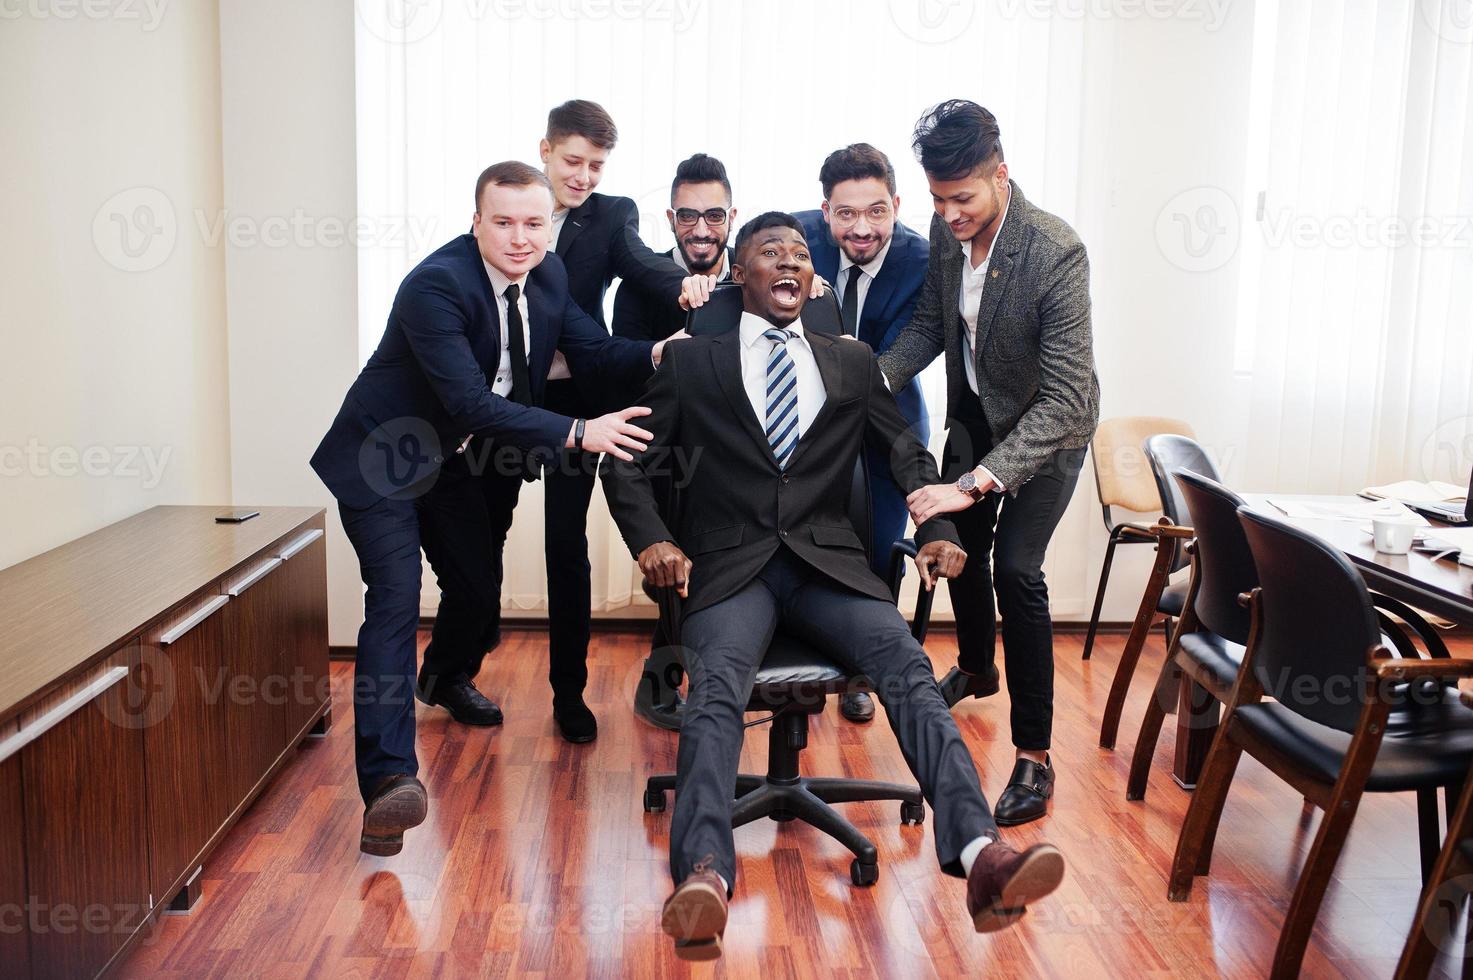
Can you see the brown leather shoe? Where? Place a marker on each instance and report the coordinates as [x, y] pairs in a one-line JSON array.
[[399, 803], [1003, 882], [695, 915]]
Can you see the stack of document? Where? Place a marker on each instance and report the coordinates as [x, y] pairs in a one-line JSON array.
[[1346, 510], [1447, 542], [1417, 492]]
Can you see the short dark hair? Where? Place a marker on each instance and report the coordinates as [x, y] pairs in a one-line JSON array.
[[857, 161], [767, 219], [955, 138], [700, 169], [579, 117], [512, 172]]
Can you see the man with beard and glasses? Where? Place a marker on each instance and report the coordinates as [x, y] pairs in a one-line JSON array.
[[700, 217], [781, 415], [1007, 300], [877, 265]]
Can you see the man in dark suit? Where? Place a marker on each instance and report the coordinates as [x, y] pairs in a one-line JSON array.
[[779, 417], [877, 266], [597, 238], [468, 343], [701, 217], [1007, 300]]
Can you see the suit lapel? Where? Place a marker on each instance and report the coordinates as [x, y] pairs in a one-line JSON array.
[[831, 369], [877, 300], [1009, 241], [726, 360], [577, 219], [486, 344], [544, 340]]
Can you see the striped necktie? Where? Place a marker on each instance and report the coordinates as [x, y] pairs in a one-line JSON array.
[[782, 396]]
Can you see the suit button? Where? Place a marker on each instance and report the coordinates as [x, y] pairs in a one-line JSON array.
[[783, 533], [786, 478]]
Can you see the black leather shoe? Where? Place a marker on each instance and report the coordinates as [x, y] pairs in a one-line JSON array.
[[575, 723], [1028, 792], [857, 706], [398, 803], [957, 685], [465, 704], [668, 715]]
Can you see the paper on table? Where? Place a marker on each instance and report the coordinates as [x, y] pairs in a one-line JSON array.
[[1346, 510], [1449, 539], [1414, 491]]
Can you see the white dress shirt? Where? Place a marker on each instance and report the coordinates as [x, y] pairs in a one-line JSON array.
[[973, 283], [501, 384], [755, 351], [870, 270]]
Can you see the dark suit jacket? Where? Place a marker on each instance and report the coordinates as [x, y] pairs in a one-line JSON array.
[[1035, 351], [600, 240], [738, 507], [642, 315], [425, 389], [891, 298]]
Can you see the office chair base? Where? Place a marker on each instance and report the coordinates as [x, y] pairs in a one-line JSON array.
[[808, 799]]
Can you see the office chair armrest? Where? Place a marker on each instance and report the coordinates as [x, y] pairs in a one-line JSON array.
[[920, 623], [1414, 621], [1168, 530], [669, 601], [1400, 669], [899, 551]]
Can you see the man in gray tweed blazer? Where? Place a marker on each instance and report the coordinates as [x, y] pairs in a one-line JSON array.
[[1006, 298]]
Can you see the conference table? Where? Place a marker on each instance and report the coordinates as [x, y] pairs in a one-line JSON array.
[[1440, 586]]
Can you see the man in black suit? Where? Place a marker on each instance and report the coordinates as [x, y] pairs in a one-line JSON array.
[[779, 417], [701, 217], [597, 239], [1006, 299], [468, 343]]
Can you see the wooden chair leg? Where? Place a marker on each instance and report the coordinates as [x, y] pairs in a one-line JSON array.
[[1199, 830], [1145, 743], [1440, 906], [1314, 878], [1115, 703]]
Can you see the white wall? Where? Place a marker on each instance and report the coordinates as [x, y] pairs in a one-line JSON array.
[[286, 82], [113, 381]]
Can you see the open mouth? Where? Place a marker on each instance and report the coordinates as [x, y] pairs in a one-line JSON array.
[[701, 247], [787, 292], [519, 256]]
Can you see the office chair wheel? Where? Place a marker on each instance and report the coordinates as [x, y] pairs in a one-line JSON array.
[[863, 875], [654, 801], [912, 812]]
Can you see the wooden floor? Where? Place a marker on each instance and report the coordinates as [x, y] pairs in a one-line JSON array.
[[537, 859]]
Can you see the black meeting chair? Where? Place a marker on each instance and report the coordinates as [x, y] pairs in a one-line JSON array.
[[1166, 453], [1346, 717], [795, 680]]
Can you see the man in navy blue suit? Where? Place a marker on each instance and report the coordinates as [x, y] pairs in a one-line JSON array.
[[877, 266], [466, 352]]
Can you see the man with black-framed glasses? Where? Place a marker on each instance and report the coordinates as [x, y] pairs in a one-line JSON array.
[[877, 266], [701, 217]]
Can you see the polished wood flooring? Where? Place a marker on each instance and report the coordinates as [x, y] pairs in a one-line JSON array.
[[537, 859]]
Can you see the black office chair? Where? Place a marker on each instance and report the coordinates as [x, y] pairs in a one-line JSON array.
[[1166, 453], [1346, 717], [795, 680]]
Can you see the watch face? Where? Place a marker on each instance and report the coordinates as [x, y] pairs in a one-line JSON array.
[[967, 483]]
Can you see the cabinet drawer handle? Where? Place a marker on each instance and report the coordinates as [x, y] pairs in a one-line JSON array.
[[199, 616], [265, 569], [40, 726], [300, 543]]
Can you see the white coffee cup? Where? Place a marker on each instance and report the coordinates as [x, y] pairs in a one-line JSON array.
[[1394, 535]]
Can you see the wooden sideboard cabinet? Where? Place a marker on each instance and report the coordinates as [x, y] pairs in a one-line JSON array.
[[154, 676]]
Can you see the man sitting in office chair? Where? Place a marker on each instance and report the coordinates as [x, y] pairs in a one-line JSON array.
[[765, 520]]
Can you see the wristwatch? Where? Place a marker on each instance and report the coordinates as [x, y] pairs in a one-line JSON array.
[[968, 485]]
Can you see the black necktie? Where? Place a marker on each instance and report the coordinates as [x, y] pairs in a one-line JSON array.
[[849, 311], [521, 378]]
